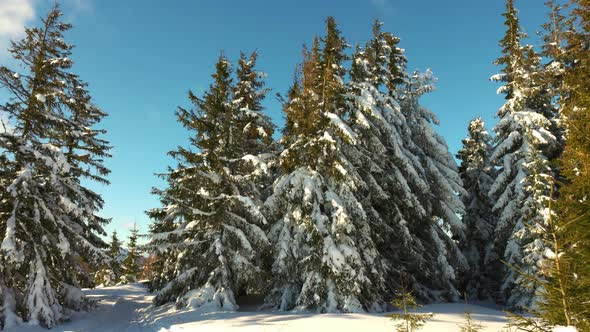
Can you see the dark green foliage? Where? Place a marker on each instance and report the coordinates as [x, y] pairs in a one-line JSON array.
[[478, 175], [470, 325], [323, 242], [208, 235], [248, 94], [513, 54], [332, 70], [315, 99], [114, 246], [567, 291], [48, 217], [411, 321], [392, 166], [110, 274], [527, 323], [130, 267], [527, 140]]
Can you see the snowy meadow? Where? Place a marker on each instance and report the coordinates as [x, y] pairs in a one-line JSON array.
[[129, 308]]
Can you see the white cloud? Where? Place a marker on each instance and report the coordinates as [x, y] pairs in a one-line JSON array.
[[14, 15], [78, 6], [385, 7]]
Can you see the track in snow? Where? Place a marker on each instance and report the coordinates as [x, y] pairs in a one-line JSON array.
[[127, 308], [117, 309]]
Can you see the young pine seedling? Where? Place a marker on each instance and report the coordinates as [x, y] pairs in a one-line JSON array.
[[410, 322]]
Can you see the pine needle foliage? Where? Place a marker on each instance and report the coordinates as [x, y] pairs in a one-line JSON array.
[[49, 217], [410, 321], [130, 267], [470, 324]]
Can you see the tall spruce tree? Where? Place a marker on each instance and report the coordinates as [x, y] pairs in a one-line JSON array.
[[254, 142], [565, 295], [477, 175], [48, 219], [209, 233], [567, 292], [163, 268], [554, 36], [114, 246], [551, 73], [389, 178], [395, 188], [248, 95], [130, 266], [324, 253], [525, 142], [442, 227], [110, 273]]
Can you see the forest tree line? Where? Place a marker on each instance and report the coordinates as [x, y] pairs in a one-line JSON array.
[[357, 202]]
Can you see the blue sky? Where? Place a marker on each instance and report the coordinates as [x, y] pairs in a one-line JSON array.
[[141, 57]]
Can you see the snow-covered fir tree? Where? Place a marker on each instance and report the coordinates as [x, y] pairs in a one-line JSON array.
[[478, 175], [552, 72], [567, 293], [115, 246], [130, 267], [324, 258], [256, 167], [524, 143], [554, 36], [380, 157], [110, 273], [48, 219], [209, 234], [438, 163], [248, 94], [395, 191], [163, 254], [442, 228]]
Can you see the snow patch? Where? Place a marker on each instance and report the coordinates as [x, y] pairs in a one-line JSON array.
[[40, 97]]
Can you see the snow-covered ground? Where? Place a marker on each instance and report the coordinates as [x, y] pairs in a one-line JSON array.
[[128, 308]]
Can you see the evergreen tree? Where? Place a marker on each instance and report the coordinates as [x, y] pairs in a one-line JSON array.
[[394, 189], [48, 219], [324, 253], [411, 322], [254, 143], [385, 166], [470, 325], [439, 166], [524, 144], [477, 175], [164, 254], [110, 273], [442, 227], [130, 267], [551, 73], [114, 246], [566, 295], [292, 93], [209, 234], [248, 95], [553, 48], [556, 305]]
